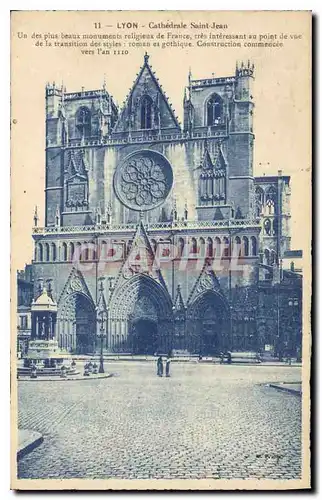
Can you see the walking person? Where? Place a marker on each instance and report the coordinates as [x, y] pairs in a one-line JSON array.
[[167, 366], [160, 366]]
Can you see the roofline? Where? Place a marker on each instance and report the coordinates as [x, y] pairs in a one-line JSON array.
[[269, 178]]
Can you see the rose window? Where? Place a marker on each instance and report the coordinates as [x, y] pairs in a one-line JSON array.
[[143, 180]]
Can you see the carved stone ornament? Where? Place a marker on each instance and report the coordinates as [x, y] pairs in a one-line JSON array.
[[143, 181], [76, 285], [205, 283]]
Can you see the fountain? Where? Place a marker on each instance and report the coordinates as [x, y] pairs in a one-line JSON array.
[[44, 357]]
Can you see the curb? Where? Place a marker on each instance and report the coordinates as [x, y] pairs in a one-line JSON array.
[[33, 442], [286, 389], [59, 379]]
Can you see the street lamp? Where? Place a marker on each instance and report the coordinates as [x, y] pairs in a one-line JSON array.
[[174, 328], [231, 327], [292, 338], [101, 335]]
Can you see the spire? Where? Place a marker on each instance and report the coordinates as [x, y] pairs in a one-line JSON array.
[[186, 211], [146, 58], [178, 302], [101, 302], [189, 76], [36, 218], [189, 82]]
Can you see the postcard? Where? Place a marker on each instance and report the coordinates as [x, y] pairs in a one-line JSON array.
[[161, 250]]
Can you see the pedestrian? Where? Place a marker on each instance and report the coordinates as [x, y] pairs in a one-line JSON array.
[[167, 366], [160, 366]]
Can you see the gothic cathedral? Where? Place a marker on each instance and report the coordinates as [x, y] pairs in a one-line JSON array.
[[158, 236]]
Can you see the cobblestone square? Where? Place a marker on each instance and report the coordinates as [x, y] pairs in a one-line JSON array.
[[206, 421]]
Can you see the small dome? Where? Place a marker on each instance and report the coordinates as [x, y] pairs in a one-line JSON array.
[[44, 299], [44, 303]]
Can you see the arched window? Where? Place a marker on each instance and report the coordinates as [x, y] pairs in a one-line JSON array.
[[226, 252], [253, 245], [83, 122], [259, 199], [79, 252], [237, 246], [40, 253], [53, 252], [270, 200], [47, 252], [71, 251], [210, 249], [267, 227], [86, 251], [266, 256], [202, 248], [214, 110], [245, 246], [146, 112], [64, 252], [181, 246], [217, 247], [193, 246]]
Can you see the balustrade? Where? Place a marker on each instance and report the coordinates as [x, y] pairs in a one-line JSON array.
[[154, 226]]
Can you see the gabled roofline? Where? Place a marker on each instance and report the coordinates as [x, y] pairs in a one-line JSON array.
[[156, 81]]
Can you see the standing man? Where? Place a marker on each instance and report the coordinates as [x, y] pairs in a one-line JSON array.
[[160, 367]]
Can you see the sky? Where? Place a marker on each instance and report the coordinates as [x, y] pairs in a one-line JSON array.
[[282, 119]]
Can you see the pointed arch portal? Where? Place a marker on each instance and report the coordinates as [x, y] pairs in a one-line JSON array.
[[141, 317], [77, 324], [208, 324]]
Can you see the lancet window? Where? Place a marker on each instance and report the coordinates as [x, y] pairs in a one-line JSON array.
[[214, 110], [83, 122], [146, 112]]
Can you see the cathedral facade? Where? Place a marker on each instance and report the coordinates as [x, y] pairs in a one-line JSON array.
[[158, 236]]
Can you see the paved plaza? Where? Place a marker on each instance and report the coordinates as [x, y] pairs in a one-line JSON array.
[[206, 421]]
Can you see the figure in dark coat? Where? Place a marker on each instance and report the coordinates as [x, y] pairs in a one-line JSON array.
[[160, 367]]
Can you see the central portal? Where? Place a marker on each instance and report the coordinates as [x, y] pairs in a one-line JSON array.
[[144, 336], [141, 317]]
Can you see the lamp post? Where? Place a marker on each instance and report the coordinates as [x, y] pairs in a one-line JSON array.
[[101, 335], [292, 337], [174, 328], [231, 327]]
